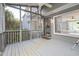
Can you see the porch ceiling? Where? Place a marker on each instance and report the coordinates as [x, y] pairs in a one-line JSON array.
[[44, 7]]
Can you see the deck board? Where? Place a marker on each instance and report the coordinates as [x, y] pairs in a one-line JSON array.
[[5, 52], [13, 50], [9, 51]]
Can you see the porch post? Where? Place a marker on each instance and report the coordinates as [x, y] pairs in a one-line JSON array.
[[31, 23], [2, 27], [20, 26]]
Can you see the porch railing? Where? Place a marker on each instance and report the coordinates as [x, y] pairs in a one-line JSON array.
[[13, 36]]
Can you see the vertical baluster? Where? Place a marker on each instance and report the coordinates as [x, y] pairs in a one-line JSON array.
[[13, 36], [22, 36], [17, 36], [10, 34], [29, 35], [8, 37], [25, 35]]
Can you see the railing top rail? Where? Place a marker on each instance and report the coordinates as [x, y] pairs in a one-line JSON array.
[[14, 30], [23, 31]]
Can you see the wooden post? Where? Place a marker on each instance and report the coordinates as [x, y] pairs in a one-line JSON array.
[[31, 23], [20, 26], [2, 25]]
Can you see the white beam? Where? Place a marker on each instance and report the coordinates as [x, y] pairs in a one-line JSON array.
[[61, 8]]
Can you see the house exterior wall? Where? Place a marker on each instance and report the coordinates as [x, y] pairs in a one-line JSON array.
[[25, 23]]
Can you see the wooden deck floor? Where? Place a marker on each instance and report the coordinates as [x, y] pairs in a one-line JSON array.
[[41, 47], [26, 48]]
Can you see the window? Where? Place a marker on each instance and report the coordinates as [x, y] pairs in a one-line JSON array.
[[67, 23], [35, 9], [73, 26]]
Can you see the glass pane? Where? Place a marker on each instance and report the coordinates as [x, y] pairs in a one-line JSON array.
[[73, 26], [67, 25], [35, 9]]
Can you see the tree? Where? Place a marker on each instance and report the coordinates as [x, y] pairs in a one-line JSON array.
[[11, 23]]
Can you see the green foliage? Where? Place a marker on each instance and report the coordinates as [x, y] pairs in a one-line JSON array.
[[11, 23]]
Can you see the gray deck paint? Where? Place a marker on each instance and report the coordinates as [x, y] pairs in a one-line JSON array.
[[42, 47]]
